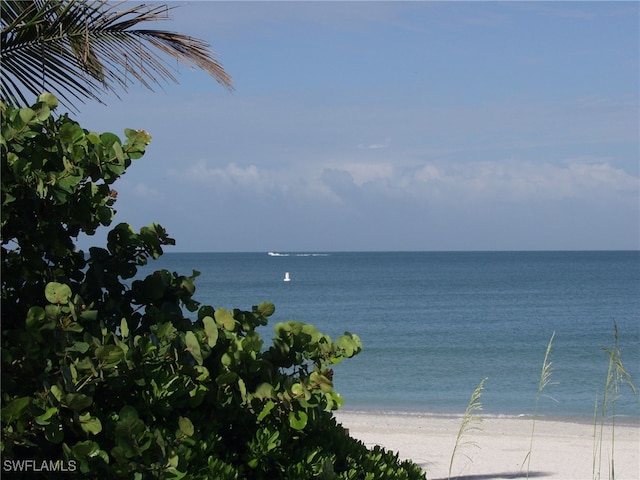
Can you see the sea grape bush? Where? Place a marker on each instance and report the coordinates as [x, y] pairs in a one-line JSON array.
[[128, 377]]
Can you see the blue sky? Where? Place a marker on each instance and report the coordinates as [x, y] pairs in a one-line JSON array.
[[392, 126]]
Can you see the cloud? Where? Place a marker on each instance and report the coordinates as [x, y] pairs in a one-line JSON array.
[[524, 181], [275, 182], [230, 176], [365, 172], [466, 182], [128, 187], [145, 191], [375, 146], [453, 183]]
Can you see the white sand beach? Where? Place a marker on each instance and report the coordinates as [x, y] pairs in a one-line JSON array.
[[562, 450]]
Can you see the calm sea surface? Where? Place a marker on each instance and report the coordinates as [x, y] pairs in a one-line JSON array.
[[434, 325]]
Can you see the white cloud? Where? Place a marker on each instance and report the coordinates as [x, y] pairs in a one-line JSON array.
[[374, 146], [230, 175], [524, 181], [138, 190], [445, 183], [363, 173], [289, 181]]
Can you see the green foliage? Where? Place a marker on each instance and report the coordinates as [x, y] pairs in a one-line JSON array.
[[131, 377]]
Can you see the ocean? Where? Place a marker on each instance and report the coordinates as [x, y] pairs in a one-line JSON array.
[[434, 324]]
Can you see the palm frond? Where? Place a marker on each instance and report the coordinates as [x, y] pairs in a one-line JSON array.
[[79, 49]]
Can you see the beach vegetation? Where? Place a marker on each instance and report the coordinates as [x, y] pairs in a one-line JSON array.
[[543, 383], [106, 371], [128, 376], [471, 421], [605, 410]]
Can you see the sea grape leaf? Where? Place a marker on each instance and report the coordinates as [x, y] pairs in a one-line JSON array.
[[48, 99], [57, 293], [129, 425], [264, 390], [266, 308], [45, 418], [56, 391], [90, 315], [297, 389], [243, 389], [73, 327], [35, 316], [226, 378], [85, 449], [76, 401], [90, 424], [266, 410], [193, 346], [211, 330], [26, 115], [321, 381], [298, 420], [225, 319], [348, 344], [15, 408], [124, 328], [185, 426], [81, 347], [109, 354], [71, 133], [166, 331]]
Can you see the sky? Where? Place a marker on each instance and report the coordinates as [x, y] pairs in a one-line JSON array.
[[391, 126]]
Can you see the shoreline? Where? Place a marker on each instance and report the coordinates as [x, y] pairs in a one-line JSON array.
[[622, 420], [562, 449]]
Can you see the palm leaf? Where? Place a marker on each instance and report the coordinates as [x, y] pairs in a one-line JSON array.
[[79, 49]]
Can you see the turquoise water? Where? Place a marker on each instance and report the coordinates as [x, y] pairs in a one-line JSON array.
[[434, 325]]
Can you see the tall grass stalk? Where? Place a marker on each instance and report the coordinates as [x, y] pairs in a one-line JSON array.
[[470, 421], [617, 376], [545, 381], [595, 437]]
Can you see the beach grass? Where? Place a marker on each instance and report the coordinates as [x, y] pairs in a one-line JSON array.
[[470, 421], [544, 382], [617, 377]]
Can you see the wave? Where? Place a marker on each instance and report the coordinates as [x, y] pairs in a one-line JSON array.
[[276, 254]]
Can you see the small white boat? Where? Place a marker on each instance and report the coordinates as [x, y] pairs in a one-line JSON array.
[[287, 277]]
